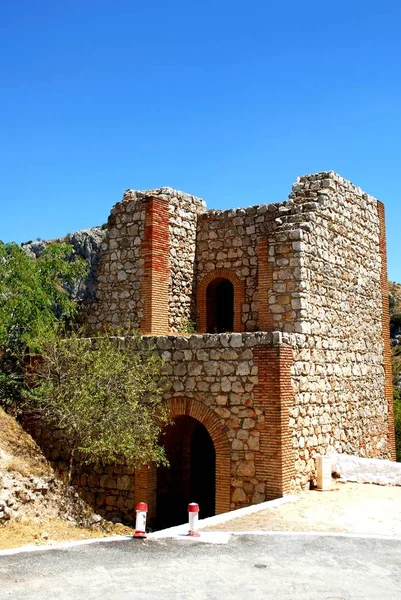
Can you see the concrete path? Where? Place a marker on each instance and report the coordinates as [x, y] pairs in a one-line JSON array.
[[349, 508], [248, 567]]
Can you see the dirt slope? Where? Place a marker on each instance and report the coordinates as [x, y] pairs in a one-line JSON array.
[[35, 506]]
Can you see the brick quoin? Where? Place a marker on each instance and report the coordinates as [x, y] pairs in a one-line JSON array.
[[145, 488], [265, 285], [274, 395], [388, 385], [155, 251], [239, 298]]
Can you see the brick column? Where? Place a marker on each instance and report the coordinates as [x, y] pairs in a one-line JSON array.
[[388, 384], [274, 395], [145, 488], [155, 251], [265, 283]]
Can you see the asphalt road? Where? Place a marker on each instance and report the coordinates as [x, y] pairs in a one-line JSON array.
[[275, 566]]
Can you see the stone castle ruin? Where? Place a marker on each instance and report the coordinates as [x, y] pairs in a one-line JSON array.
[[291, 355]]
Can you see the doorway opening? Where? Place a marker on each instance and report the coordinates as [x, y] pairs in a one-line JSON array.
[[220, 306], [191, 476]]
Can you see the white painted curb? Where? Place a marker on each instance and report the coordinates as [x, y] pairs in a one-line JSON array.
[[206, 537], [180, 530], [64, 545]]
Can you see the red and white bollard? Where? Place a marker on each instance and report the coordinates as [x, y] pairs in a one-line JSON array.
[[193, 517], [140, 523]]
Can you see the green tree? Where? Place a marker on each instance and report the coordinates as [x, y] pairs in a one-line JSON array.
[[34, 303], [396, 368], [397, 421], [106, 396]]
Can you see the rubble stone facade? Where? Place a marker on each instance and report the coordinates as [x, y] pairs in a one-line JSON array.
[[291, 358]]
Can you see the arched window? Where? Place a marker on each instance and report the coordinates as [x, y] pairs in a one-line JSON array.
[[219, 299], [220, 306]]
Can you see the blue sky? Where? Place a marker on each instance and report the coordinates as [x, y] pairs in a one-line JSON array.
[[228, 100]]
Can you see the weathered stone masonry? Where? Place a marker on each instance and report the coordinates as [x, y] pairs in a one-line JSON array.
[[238, 386], [146, 271], [302, 286]]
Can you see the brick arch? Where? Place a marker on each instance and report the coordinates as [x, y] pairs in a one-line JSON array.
[[197, 410], [145, 489], [239, 297]]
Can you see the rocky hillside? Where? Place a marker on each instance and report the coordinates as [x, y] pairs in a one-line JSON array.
[[395, 297], [28, 485], [87, 243], [35, 506]]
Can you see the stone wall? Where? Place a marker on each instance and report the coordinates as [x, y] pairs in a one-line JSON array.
[[183, 214], [325, 280], [108, 489], [227, 241], [221, 372], [259, 245], [119, 302], [339, 373], [238, 386], [267, 419], [146, 272]]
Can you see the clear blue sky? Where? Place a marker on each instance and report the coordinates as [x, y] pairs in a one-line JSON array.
[[228, 100]]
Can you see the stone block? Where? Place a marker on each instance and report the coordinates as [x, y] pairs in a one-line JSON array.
[[246, 469], [239, 495]]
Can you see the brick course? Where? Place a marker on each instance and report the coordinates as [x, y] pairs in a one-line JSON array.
[[386, 331], [155, 250]]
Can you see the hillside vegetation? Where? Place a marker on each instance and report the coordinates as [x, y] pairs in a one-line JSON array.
[[395, 329]]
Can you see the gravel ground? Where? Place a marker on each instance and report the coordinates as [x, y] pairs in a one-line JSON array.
[[350, 508]]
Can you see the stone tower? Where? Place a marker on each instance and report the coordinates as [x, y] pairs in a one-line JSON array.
[[291, 359]]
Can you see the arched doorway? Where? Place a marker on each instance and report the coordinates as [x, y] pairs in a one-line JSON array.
[[220, 306], [191, 475]]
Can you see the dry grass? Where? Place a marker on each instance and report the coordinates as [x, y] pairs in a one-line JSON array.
[[19, 466], [20, 454], [47, 531], [27, 456]]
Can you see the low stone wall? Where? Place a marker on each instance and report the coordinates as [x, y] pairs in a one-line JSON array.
[[108, 489]]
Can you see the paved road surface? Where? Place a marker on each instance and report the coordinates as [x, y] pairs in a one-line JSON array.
[[249, 567]]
